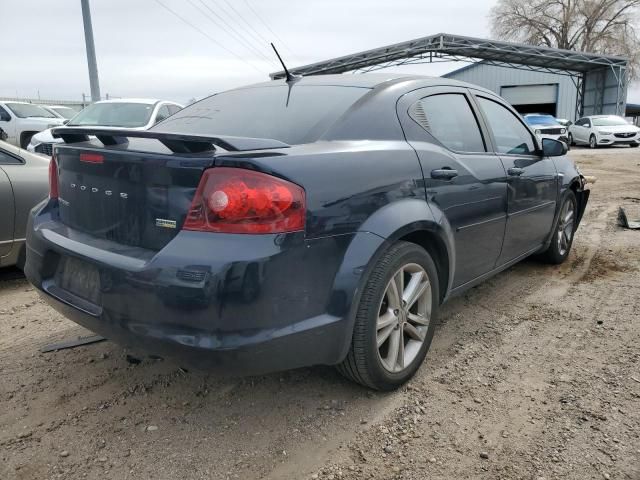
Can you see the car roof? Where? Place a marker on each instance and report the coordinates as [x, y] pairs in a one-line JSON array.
[[59, 106], [366, 80]]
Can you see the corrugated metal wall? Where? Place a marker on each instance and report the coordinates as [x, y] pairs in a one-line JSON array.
[[601, 93], [494, 78]]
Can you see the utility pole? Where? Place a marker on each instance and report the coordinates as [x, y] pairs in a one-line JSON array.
[[91, 51]]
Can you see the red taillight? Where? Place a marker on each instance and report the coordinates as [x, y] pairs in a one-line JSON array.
[[234, 200], [53, 178], [91, 158]]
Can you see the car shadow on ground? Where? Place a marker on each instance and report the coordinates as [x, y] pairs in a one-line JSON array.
[[10, 273]]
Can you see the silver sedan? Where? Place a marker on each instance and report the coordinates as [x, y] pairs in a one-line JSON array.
[[24, 182]]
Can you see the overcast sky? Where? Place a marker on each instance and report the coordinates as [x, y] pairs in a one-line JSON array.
[[144, 50]]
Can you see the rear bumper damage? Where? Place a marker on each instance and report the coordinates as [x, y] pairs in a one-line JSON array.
[[243, 305]]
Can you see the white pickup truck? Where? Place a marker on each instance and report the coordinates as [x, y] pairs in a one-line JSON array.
[[21, 120]]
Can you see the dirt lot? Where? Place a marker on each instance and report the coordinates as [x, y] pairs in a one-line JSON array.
[[534, 374]]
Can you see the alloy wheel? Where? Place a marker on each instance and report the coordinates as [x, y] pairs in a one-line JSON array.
[[565, 227], [403, 317], [592, 141]]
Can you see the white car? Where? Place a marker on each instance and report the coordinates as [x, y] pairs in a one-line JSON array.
[[134, 113], [599, 130], [546, 126], [66, 113], [21, 120]]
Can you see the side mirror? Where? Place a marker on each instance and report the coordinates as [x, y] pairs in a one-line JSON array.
[[65, 122], [553, 148], [4, 116], [3, 135]]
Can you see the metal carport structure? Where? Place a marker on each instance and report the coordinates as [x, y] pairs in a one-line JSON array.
[[600, 80]]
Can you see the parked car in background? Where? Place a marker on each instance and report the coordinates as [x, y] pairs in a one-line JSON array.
[[62, 111], [136, 113], [546, 126], [601, 130], [24, 182], [21, 120], [349, 207]]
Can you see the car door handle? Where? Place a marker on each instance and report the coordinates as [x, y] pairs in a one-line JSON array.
[[444, 173], [515, 171]]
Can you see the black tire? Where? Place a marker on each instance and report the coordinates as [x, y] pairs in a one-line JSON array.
[[363, 363], [555, 254], [593, 143], [571, 142]]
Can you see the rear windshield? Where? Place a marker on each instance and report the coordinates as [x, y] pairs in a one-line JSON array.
[[294, 116], [116, 114], [26, 110]]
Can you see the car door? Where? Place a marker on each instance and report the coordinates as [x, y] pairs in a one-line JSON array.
[[7, 206], [532, 179], [582, 128], [463, 179]]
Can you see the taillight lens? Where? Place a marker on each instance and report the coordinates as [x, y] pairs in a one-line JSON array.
[[53, 177], [234, 200]]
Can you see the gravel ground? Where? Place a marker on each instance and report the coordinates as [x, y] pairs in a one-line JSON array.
[[534, 374]]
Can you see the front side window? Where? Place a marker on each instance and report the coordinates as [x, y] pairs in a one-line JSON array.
[[27, 110], [510, 135], [449, 118]]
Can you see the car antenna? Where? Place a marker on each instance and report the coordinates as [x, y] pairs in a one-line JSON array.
[[290, 77]]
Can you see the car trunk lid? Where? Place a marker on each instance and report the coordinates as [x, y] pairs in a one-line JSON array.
[[134, 191]]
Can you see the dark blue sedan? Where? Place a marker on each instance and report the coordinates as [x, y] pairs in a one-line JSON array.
[[281, 225]]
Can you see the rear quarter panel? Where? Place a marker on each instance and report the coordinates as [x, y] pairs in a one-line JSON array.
[[30, 183], [346, 182]]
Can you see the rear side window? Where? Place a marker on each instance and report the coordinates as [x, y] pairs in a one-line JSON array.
[[449, 118], [6, 159], [173, 109], [300, 114], [163, 113], [510, 135]]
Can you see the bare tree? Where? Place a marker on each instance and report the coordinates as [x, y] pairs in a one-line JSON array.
[[599, 26]]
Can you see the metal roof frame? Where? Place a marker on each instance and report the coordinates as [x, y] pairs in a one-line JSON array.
[[446, 47]]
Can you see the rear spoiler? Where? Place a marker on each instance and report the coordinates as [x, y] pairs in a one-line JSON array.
[[176, 142]]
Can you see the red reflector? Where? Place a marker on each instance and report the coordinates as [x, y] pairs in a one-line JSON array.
[[53, 178], [91, 158], [234, 200]]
